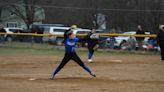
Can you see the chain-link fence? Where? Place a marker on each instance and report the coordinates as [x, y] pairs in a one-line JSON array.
[[126, 42]]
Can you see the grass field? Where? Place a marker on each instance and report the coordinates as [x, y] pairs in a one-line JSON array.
[[28, 68]]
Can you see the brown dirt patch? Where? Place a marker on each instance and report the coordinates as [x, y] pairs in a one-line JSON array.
[[131, 73]]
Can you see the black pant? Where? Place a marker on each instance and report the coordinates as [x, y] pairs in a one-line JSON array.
[[162, 50], [71, 56], [90, 48], [67, 57]]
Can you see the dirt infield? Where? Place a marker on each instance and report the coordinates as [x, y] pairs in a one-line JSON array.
[[115, 73]]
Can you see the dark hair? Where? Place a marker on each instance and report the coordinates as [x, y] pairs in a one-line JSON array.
[[69, 33]]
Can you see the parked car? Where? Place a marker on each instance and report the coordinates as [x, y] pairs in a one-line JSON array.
[[121, 41], [60, 31], [10, 38], [151, 45], [41, 29]]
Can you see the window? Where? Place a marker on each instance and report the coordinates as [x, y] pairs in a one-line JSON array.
[[59, 30], [12, 24], [82, 32]]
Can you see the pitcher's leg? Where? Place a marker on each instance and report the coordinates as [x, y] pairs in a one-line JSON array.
[[61, 65], [79, 61]]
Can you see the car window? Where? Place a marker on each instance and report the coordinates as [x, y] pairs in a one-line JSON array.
[[14, 30], [82, 32], [59, 30]]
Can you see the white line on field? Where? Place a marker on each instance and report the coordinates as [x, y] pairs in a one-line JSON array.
[[117, 61]]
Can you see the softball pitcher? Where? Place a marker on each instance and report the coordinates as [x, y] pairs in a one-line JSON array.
[[70, 54]]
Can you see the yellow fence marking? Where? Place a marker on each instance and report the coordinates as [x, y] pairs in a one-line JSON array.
[[61, 35]]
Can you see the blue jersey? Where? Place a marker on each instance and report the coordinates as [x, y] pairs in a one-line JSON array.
[[70, 45]]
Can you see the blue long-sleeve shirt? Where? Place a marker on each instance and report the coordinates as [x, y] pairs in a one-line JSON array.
[[70, 45]]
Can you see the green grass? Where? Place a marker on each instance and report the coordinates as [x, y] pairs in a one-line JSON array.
[[29, 51], [4, 51], [17, 48]]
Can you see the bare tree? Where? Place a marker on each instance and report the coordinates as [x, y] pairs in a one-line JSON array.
[[124, 14], [155, 16], [2, 5], [1, 8], [25, 10]]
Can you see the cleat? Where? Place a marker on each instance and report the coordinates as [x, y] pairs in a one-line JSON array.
[[51, 78], [90, 60], [93, 74]]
